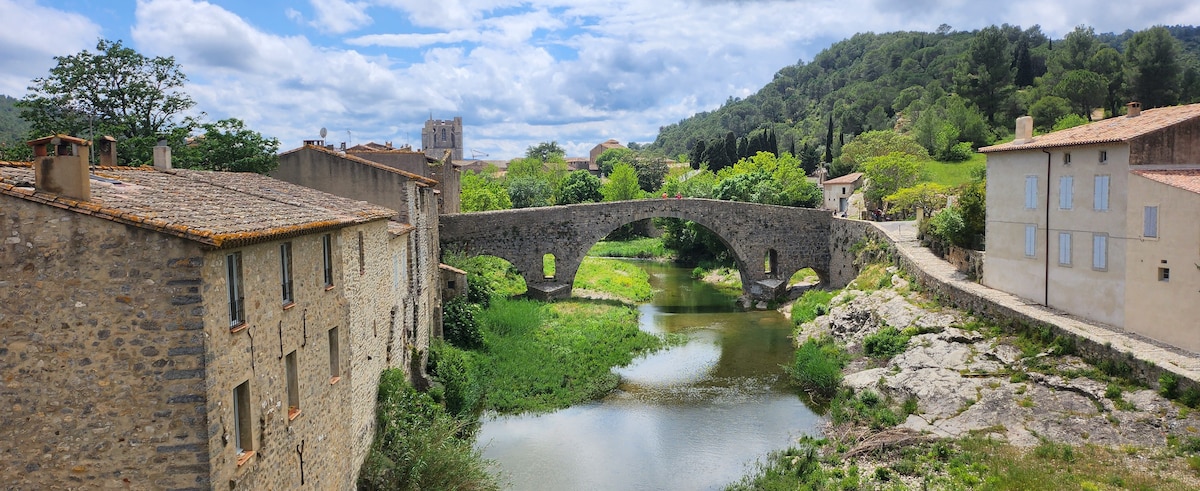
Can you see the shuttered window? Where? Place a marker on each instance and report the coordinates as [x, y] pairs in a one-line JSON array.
[[1030, 240], [1100, 198], [1100, 252], [1031, 192], [1150, 222], [1066, 192], [1064, 248]]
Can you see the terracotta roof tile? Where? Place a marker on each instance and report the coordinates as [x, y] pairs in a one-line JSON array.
[[846, 179], [1110, 130], [219, 209], [1185, 179]]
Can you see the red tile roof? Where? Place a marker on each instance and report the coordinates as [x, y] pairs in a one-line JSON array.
[[1186, 179], [846, 179], [1118, 129], [218, 209]]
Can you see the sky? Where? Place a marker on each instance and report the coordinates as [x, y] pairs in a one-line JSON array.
[[519, 72]]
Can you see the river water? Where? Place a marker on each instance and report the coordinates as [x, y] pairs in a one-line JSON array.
[[697, 416]]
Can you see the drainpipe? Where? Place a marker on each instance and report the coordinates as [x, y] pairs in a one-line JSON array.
[[1046, 260]]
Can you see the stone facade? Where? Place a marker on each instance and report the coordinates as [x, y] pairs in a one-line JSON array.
[[440, 135], [769, 243], [352, 177], [446, 173], [126, 368]]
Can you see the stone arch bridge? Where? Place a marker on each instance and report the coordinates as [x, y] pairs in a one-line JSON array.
[[769, 243]]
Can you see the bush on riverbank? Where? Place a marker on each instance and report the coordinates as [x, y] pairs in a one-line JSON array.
[[459, 326], [812, 304], [818, 365], [418, 445], [459, 374], [642, 248]]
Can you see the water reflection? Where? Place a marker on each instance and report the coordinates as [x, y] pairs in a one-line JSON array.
[[696, 416]]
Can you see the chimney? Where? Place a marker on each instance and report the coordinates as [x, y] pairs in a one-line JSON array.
[[1024, 130], [162, 156], [60, 166], [1134, 109], [107, 148]]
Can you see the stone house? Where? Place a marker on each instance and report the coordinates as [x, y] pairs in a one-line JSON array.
[[176, 329], [838, 190], [445, 172], [599, 149], [1100, 221]]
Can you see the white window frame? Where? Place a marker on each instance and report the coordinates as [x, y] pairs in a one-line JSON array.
[[1066, 192], [1100, 252], [1101, 191], [1030, 240], [1064, 248]]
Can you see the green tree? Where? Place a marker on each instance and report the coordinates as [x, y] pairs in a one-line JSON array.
[[227, 145], [544, 151], [526, 167], [890, 173], [483, 193], [528, 192], [876, 144], [651, 171], [579, 187], [113, 91], [972, 206], [612, 157], [1069, 121], [988, 74], [926, 196], [622, 184], [1085, 90], [1047, 110], [1152, 61], [696, 155], [809, 157], [765, 178]]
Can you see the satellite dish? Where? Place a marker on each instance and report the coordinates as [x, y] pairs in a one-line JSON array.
[[324, 132]]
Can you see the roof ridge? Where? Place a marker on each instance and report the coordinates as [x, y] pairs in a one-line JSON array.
[[422, 180]]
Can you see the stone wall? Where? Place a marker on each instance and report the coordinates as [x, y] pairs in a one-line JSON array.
[[102, 354], [797, 236], [334, 174]]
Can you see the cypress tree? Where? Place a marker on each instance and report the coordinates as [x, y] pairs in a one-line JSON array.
[[697, 154], [731, 150], [829, 141]]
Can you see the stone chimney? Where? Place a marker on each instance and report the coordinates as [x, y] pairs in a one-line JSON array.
[[162, 156], [60, 166], [1024, 130], [107, 148], [1134, 109]]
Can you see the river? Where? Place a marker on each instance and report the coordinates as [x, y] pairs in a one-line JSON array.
[[694, 417]]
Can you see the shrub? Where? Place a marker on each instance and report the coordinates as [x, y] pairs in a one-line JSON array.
[[457, 372], [459, 325], [818, 367], [1168, 385], [885, 343], [418, 445], [479, 293], [810, 305]]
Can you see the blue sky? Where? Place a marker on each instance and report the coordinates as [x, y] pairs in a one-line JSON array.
[[518, 72]]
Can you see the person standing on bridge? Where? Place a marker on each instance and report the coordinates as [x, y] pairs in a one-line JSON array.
[[664, 195], [678, 195]]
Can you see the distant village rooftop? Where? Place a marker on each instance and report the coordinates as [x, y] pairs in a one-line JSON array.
[[197, 205], [1118, 129], [850, 178]]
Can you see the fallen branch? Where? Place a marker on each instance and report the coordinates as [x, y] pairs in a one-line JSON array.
[[892, 438]]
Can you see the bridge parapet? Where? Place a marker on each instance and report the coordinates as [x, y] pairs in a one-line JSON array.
[[769, 243]]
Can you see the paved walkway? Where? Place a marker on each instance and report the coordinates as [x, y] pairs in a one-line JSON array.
[[1182, 363]]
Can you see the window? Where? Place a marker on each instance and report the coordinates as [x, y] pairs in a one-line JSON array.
[[1031, 192], [1100, 198], [293, 386], [548, 266], [237, 296], [1064, 248], [334, 356], [1103, 156], [243, 429], [362, 254], [1150, 221], [285, 272], [1100, 252], [1066, 192], [327, 258], [1067, 158], [1164, 274], [1031, 241]]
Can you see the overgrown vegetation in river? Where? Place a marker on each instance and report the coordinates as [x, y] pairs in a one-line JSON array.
[[418, 445], [642, 248]]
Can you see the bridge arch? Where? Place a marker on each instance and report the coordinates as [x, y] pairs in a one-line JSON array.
[[789, 239]]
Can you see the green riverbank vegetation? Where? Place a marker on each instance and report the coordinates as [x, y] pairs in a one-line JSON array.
[[641, 248]]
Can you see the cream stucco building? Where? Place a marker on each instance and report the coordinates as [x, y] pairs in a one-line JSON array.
[[1100, 221]]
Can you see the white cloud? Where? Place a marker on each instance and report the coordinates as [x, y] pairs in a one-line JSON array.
[[32, 35], [339, 16]]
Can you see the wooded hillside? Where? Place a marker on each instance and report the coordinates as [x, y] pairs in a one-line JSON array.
[[948, 87]]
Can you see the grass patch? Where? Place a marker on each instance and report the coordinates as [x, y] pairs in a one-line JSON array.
[[540, 357], [806, 275], [500, 276], [645, 248], [418, 445], [810, 305], [872, 277], [614, 277], [885, 343], [953, 174], [817, 367]]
